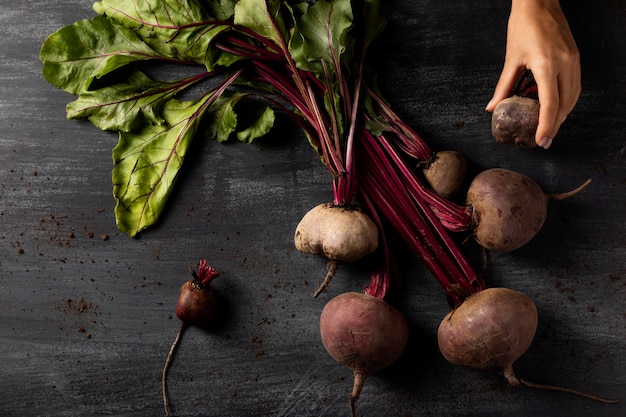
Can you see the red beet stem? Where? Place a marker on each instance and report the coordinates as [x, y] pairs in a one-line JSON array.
[[381, 179], [205, 273]]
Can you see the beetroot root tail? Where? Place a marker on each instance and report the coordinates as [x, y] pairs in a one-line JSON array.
[[359, 380], [168, 362], [331, 268], [568, 194], [509, 375], [568, 390]]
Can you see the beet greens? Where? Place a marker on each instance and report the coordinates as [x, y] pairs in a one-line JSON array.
[[304, 59]]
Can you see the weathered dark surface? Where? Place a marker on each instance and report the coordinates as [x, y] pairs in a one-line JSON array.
[[86, 322]]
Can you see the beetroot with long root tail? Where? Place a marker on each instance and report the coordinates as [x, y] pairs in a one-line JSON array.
[[508, 208], [490, 330], [363, 333], [196, 306]]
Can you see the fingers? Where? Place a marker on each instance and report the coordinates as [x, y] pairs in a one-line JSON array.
[[558, 94], [508, 78], [547, 86], [548, 97]]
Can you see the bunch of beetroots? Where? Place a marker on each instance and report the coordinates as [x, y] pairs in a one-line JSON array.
[[308, 60]]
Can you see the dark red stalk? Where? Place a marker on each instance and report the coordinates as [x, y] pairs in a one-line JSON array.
[[380, 279], [284, 87], [409, 141], [280, 49], [413, 219], [413, 184], [353, 110], [240, 47], [402, 224], [457, 218], [387, 184], [454, 217], [205, 273]]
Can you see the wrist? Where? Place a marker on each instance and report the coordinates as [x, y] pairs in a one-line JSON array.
[[535, 4]]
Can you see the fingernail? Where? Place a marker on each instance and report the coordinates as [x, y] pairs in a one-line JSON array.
[[545, 142], [488, 104]]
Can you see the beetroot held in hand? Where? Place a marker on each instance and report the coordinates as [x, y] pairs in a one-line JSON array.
[[508, 208], [339, 233], [363, 333], [515, 120], [195, 307]]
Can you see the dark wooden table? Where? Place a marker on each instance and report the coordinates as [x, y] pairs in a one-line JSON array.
[[86, 313]]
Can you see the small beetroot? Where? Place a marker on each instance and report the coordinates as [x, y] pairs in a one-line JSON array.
[[196, 299], [195, 307], [515, 120], [445, 173]]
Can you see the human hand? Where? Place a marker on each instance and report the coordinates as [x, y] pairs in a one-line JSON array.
[[539, 39]]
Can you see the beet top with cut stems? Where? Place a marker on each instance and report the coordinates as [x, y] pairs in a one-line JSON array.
[[196, 300], [196, 306]]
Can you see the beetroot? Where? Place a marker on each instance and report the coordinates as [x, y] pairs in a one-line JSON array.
[[508, 208], [196, 306], [515, 120], [445, 173], [489, 331], [363, 333], [341, 234]]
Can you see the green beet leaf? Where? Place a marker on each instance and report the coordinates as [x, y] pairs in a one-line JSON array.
[[147, 164], [321, 34], [223, 121], [373, 22], [260, 127], [79, 53], [176, 29], [220, 9], [262, 19], [261, 47], [126, 106]]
